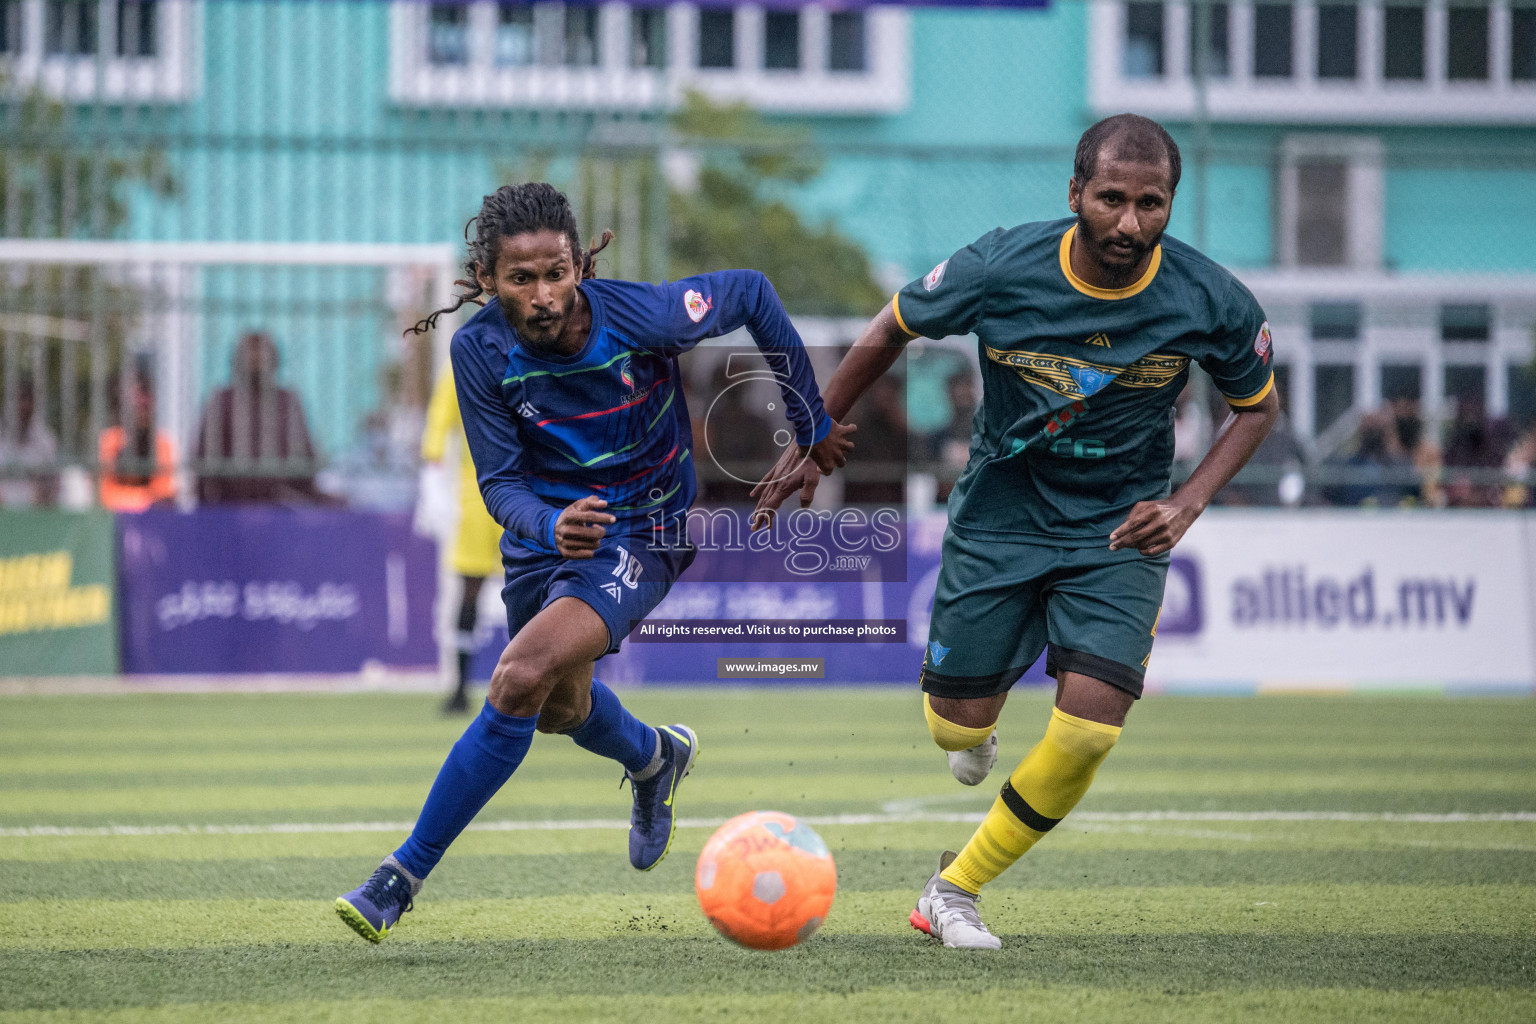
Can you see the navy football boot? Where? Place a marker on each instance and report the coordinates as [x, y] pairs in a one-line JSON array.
[[373, 907], [652, 823]]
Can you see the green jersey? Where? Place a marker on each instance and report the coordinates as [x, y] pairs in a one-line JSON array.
[[1075, 424]]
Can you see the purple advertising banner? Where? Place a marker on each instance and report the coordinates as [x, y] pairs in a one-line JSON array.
[[826, 619], [272, 589]]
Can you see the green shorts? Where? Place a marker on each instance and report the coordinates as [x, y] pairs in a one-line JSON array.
[[1000, 601]]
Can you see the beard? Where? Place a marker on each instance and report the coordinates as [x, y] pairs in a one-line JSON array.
[[543, 330], [1114, 263]]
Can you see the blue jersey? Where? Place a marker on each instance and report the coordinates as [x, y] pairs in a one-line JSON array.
[[610, 421]]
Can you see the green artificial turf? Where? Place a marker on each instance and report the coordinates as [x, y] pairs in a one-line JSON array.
[[240, 818]]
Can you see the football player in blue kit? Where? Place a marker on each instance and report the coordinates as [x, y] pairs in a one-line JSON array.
[[572, 405]]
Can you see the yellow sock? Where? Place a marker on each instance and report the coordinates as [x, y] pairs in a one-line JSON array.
[[1047, 784], [947, 734]]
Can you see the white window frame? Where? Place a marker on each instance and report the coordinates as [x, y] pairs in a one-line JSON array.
[[1366, 184], [169, 76], [883, 87], [1304, 98], [1399, 325]]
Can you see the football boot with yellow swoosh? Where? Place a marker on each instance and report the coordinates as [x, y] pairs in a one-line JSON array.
[[652, 821]]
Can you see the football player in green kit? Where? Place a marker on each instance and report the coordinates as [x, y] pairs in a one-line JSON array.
[[1060, 527]]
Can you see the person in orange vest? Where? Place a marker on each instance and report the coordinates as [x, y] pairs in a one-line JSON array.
[[477, 549], [137, 460]]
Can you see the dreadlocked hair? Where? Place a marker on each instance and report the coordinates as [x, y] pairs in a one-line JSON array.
[[510, 211]]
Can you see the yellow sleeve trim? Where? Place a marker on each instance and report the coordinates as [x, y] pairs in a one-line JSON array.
[[1243, 403], [896, 308], [1064, 254]]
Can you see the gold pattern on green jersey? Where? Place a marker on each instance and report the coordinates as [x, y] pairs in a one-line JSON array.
[[1074, 378]]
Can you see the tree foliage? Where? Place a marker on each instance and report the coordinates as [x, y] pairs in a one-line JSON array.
[[57, 182], [69, 324], [736, 215]]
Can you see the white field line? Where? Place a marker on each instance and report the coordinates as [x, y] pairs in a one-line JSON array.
[[557, 825]]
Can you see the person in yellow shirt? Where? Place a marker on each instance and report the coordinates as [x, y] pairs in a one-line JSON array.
[[477, 548]]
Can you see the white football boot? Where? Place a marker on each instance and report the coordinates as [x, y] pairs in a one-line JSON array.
[[972, 765], [948, 913]]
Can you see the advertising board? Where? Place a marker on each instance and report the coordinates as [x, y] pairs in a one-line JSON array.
[[251, 589], [57, 601]]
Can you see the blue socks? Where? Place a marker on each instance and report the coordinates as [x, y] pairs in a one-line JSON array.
[[490, 750], [479, 764], [613, 732]]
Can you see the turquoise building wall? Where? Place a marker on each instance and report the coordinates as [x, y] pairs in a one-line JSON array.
[[292, 136]]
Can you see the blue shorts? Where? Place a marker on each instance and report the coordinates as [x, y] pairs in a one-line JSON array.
[[622, 582]]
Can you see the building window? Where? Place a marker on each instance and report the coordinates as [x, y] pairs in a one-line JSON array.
[[97, 50], [1322, 193], [1333, 393], [717, 39], [846, 41], [10, 26], [1466, 386], [1522, 44], [448, 34], [1218, 63], [581, 46], [1338, 27], [1401, 381], [1520, 391], [1143, 40], [136, 28], [70, 28], [1336, 321], [514, 35], [1465, 321], [630, 54], [1273, 29], [1316, 62], [781, 40], [1467, 44], [1330, 201], [647, 37], [1403, 53]]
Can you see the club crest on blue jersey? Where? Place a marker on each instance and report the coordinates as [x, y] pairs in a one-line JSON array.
[[937, 653], [696, 305], [625, 376]]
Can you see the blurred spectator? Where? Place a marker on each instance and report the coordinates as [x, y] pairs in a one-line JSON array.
[[1191, 429], [1418, 448], [1477, 443], [1377, 467], [881, 417], [1517, 468], [1278, 461], [28, 456], [137, 460], [954, 440], [1408, 423], [735, 443], [253, 442], [956, 435]]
